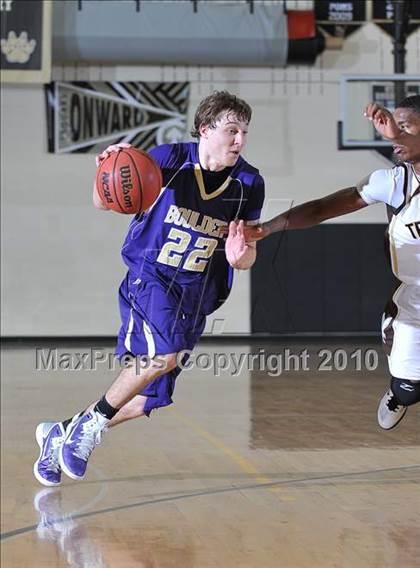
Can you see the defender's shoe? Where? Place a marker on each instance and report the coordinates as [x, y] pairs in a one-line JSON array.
[[390, 413], [82, 435], [50, 438]]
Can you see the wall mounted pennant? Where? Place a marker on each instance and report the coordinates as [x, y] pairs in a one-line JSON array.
[[87, 117]]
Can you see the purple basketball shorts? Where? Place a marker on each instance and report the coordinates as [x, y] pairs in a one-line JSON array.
[[154, 322]]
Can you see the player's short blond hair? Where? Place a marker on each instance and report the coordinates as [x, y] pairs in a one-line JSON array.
[[210, 108]]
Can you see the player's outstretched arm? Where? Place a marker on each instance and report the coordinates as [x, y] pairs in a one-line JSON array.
[[309, 214], [239, 253]]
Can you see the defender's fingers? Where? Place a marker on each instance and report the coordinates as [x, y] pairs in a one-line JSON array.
[[374, 111], [253, 234], [382, 115], [369, 110]]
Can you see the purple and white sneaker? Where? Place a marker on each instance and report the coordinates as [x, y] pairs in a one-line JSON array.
[[82, 435], [50, 438]]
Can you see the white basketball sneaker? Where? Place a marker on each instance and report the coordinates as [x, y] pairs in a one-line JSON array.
[[390, 413]]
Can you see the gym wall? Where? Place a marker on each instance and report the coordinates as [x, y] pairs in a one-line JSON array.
[[60, 261]]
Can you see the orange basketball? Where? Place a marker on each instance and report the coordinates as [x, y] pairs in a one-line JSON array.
[[128, 181]]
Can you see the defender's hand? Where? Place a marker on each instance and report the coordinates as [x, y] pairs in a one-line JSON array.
[[382, 120], [254, 233]]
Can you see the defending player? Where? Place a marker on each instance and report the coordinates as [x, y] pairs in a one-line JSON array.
[[399, 188], [179, 271]]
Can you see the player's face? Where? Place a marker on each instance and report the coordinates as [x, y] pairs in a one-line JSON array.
[[224, 141], [409, 123]]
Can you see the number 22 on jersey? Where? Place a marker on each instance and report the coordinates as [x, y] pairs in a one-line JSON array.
[[173, 250]]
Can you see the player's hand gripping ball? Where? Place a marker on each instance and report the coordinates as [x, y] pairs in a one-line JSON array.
[[127, 179]]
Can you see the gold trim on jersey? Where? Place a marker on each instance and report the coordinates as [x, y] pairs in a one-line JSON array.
[[392, 247], [200, 182]]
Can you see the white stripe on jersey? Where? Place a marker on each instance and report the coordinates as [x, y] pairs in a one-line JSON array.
[[151, 347], [127, 341]]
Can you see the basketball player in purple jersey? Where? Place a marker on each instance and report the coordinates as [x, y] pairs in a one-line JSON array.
[[399, 188], [180, 270]]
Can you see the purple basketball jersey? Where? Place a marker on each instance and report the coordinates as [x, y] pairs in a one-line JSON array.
[[178, 241]]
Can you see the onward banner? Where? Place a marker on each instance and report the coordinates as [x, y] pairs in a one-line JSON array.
[[87, 117]]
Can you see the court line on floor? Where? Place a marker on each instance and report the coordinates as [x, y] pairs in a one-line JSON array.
[[24, 530], [234, 455], [103, 489]]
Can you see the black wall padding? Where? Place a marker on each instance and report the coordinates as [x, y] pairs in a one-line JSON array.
[[305, 51], [327, 279]]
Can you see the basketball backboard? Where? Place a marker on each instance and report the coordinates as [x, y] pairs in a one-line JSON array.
[[356, 91]]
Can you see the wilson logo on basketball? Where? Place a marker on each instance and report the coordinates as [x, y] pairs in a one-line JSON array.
[[126, 184], [105, 186], [120, 177]]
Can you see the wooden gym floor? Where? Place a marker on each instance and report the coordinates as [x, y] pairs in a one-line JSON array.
[[242, 471]]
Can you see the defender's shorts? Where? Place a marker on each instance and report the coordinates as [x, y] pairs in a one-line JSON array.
[[401, 333], [154, 322]]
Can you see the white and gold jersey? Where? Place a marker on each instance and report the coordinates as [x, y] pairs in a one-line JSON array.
[[399, 188], [404, 237]]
